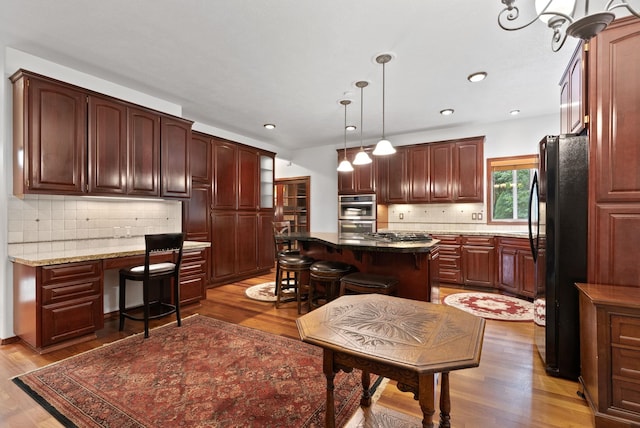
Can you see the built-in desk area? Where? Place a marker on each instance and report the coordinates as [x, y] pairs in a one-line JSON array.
[[58, 294]]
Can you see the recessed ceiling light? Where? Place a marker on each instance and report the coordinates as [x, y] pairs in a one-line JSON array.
[[350, 128], [477, 77], [269, 126], [446, 112], [514, 112]]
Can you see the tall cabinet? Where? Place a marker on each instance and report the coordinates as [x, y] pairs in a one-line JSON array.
[[231, 207], [610, 68], [292, 202]]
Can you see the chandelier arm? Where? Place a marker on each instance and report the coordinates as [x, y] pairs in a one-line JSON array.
[[511, 13], [558, 39], [623, 3]]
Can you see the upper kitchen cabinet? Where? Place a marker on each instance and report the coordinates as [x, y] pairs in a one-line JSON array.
[[248, 178], [201, 161], [573, 103], [419, 177], [72, 141], [50, 136], [362, 178], [468, 170], [174, 159], [441, 172], [395, 170], [225, 174]]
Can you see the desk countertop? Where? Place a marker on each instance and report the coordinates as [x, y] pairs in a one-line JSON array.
[[53, 253], [334, 240]]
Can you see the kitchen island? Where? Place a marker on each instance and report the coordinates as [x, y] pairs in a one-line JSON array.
[[413, 263]]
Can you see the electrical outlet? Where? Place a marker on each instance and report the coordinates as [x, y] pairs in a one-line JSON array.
[[474, 216], [401, 216], [479, 216]]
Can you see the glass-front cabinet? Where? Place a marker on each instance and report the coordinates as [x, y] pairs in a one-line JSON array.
[[266, 182]]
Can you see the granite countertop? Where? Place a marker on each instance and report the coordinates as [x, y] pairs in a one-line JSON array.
[[334, 240], [84, 250], [496, 233]]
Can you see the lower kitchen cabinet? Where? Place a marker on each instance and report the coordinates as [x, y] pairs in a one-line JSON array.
[[54, 304], [193, 276], [517, 269], [450, 270], [610, 353], [478, 261]]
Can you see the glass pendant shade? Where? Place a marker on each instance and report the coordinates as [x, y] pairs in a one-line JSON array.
[[383, 148], [345, 166], [362, 158]]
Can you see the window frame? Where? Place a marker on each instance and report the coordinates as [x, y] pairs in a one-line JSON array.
[[531, 161]]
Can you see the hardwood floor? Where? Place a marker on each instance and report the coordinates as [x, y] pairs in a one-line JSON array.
[[508, 389]]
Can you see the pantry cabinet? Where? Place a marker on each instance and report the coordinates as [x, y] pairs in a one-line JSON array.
[[72, 141]]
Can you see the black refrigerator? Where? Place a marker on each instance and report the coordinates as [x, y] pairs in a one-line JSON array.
[[558, 215]]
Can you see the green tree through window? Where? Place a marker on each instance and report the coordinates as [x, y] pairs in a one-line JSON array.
[[509, 183]]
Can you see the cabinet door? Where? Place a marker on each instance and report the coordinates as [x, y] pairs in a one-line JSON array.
[[419, 186], [200, 154], [468, 170], [441, 172], [175, 159], [223, 244], [527, 274], [144, 152], [225, 173], [565, 100], [508, 269], [478, 265], [572, 94], [56, 142], [364, 176], [347, 179], [397, 177], [247, 242], [107, 146], [248, 179], [266, 245]]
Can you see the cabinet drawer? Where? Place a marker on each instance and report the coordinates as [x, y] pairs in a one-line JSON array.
[[451, 250], [625, 330], [191, 269], [625, 363], [519, 243], [448, 239], [67, 320], [447, 262], [53, 293], [484, 241], [70, 271], [191, 289], [626, 395], [450, 276], [192, 256]]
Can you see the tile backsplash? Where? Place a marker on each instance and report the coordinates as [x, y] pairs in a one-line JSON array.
[[47, 218]]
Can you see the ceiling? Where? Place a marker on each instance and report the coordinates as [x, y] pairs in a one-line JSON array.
[[238, 64]]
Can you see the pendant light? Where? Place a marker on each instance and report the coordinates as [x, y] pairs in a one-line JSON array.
[[345, 165], [362, 158], [384, 146]]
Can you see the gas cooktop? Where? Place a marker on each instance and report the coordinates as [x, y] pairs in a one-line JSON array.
[[398, 236]]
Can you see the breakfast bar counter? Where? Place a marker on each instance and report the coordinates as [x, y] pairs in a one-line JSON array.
[[413, 263]]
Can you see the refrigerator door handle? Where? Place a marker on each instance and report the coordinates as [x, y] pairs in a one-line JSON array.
[[534, 243]]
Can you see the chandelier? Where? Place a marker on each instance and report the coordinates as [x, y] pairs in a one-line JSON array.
[[561, 17]]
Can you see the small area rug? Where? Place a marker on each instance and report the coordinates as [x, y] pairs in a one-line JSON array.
[[207, 373], [492, 306], [264, 292]]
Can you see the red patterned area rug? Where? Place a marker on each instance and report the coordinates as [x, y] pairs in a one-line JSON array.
[[492, 306], [207, 373]]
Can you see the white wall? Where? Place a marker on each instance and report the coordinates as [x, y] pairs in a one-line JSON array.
[[516, 136]]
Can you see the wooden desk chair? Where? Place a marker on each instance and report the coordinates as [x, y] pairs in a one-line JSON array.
[[154, 277]]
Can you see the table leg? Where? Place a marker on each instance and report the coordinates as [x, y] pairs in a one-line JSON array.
[[445, 401], [366, 389], [327, 366], [426, 398]]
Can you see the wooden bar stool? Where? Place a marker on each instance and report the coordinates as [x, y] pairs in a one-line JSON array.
[[296, 265], [368, 283], [328, 275]]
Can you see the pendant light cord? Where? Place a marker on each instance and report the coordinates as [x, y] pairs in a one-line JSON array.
[[345, 131], [383, 103], [361, 109]]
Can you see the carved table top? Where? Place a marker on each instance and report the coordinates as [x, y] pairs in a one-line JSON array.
[[420, 336]]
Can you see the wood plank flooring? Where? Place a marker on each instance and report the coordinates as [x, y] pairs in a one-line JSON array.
[[509, 389]]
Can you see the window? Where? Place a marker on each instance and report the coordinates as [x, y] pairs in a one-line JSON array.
[[509, 183]]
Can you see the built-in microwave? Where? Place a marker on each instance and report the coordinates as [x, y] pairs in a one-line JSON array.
[[357, 207]]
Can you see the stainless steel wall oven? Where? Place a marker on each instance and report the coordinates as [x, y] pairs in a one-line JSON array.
[[356, 214]]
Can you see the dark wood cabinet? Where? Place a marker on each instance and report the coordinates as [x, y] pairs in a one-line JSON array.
[[50, 136], [293, 202], [419, 183], [450, 266], [441, 172], [468, 170], [108, 157], [362, 178], [201, 160], [248, 187], [223, 236], [174, 157], [396, 173], [225, 174], [193, 276], [614, 154], [573, 112], [610, 352], [517, 269], [478, 261], [73, 141]]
